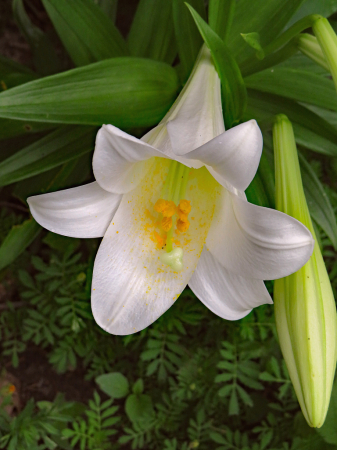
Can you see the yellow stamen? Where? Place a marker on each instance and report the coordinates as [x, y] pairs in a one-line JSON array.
[[182, 216], [169, 209], [160, 205], [166, 223], [182, 226], [185, 206]]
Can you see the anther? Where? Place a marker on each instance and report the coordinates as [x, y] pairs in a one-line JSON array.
[[166, 223], [182, 216], [185, 206], [182, 226], [160, 205], [169, 210]]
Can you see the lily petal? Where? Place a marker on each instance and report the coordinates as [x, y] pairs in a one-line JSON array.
[[83, 212], [120, 160], [234, 156], [257, 242], [196, 116], [228, 295], [131, 286]]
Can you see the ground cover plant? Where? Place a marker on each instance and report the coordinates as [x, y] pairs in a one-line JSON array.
[[191, 379]]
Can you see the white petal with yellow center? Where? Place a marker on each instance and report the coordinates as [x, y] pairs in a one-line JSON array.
[[120, 160], [131, 286]]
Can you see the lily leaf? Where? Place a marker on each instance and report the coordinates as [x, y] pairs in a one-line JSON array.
[[17, 240], [234, 96], [127, 92], [44, 55], [256, 17], [318, 202], [152, 31], [187, 35], [10, 128], [86, 32], [322, 7], [9, 66], [295, 84], [109, 7], [311, 130], [220, 17], [60, 146]]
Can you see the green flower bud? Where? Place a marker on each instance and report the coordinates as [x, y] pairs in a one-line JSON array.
[[327, 39], [309, 46], [305, 310]]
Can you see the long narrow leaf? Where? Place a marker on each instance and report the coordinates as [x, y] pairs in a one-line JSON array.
[[127, 92], [220, 16], [187, 35], [109, 7], [10, 128], [44, 55], [234, 96], [295, 84], [9, 66], [268, 18], [57, 148], [17, 240], [318, 202], [322, 7], [86, 32], [152, 32], [313, 131]]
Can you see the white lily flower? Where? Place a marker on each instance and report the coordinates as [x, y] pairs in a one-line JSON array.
[[172, 210]]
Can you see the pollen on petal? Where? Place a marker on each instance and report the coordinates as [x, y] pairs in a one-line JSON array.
[[166, 223], [182, 226], [185, 206], [159, 240]]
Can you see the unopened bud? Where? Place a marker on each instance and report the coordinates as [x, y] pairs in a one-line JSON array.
[[305, 310]]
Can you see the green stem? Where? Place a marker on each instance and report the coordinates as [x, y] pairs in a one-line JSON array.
[[293, 31]]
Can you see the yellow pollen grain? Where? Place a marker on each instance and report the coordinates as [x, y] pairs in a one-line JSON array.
[[166, 223], [185, 206], [182, 226]]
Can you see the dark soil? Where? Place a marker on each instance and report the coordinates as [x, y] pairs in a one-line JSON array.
[[38, 380]]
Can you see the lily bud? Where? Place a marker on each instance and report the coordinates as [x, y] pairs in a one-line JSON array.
[[305, 310], [327, 39], [309, 46]]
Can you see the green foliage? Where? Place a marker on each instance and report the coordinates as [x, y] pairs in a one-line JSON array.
[[239, 373], [93, 433], [191, 380], [126, 92]]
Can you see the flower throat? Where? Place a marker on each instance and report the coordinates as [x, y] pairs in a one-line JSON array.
[[174, 209]]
